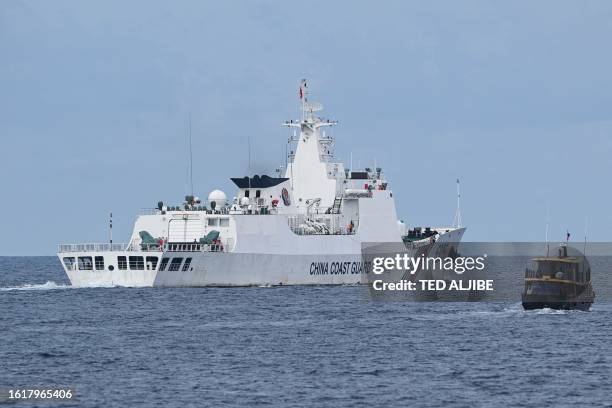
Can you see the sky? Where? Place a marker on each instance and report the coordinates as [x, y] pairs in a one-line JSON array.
[[513, 98]]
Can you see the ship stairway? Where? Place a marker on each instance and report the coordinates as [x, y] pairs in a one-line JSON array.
[[336, 207]]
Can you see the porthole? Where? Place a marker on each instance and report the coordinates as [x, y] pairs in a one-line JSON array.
[[111, 268]]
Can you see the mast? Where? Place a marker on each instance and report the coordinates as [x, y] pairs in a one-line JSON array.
[[458, 212], [190, 158], [308, 165], [586, 222], [547, 223]]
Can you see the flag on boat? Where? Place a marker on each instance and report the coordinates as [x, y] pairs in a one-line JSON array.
[[303, 87]]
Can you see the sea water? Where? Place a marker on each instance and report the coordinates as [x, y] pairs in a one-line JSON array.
[[291, 347]]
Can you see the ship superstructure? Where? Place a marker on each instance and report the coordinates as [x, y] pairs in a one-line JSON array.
[[305, 226]]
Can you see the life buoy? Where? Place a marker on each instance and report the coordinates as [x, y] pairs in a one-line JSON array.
[[275, 203]]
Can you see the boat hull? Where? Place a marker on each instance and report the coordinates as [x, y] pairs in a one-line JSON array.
[[539, 302], [236, 269]]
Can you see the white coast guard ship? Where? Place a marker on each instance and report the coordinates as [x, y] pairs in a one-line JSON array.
[[306, 227]]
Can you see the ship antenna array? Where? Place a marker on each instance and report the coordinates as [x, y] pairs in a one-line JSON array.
[[458, 212]]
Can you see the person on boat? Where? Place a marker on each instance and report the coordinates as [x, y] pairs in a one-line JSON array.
[[350, 227]]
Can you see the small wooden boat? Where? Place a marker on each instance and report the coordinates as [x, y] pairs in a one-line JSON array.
[[559, 282]]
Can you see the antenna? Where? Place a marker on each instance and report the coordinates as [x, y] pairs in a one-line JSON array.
[[249, 150], [586, 223], [458, 212], [547, 223], [249, 153], [110, 230], [190, 157]]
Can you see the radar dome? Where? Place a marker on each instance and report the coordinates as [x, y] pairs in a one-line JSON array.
[[218, 197]]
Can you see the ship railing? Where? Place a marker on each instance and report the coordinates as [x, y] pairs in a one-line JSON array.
[[143, 247], [93, 247], [320, 224], [202, 208], [198, 247], [530, 273]]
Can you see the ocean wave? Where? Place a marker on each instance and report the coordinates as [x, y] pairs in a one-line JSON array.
[[549, 311], [49, 285]]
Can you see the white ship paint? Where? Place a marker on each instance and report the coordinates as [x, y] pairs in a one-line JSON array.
[[305, 228]]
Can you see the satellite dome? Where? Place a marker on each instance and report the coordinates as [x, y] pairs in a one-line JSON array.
[[218, 197]]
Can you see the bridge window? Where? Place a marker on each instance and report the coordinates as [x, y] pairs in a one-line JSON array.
[[247, 193], [122, 263], [137, 263], [69, 263], [175, 265], [257, 193], [151, 262], [99, 263], [224, 222], [213, 222], [187, 264], [164, 262], [85, 263]]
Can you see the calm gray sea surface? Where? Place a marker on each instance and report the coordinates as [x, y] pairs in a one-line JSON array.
[[291, 347]]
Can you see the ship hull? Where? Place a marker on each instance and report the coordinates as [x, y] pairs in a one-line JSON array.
[[237, 269]]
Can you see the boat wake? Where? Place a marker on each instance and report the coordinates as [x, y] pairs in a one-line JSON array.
[[549, 311], [50, 285]]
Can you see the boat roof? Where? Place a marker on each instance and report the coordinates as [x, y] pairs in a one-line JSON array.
[[557, 259], [256, 181]]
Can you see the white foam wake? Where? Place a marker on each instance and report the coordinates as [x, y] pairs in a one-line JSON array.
[[50, 285]]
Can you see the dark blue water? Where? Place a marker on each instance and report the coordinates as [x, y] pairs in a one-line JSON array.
[[292, 347]]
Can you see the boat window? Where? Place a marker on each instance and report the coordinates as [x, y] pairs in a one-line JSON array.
[[213, 222], [542, 288], [122, 263], [257, 193], [152, 262], [164, 262], [187, 264], [85, 263], [247, 193], [99, 263], [69, 263], [224, 222], [175, 265], [137, 263]]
